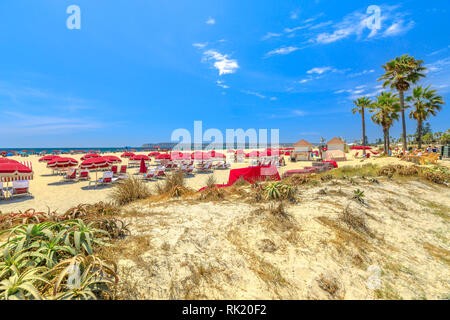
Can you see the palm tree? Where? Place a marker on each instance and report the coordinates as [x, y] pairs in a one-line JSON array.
[[426, 102], [362, 104], [400, 74], [385, 111]]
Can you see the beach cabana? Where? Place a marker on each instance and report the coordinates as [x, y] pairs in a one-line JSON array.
[[336, 144], [302, 151], [335, 155]]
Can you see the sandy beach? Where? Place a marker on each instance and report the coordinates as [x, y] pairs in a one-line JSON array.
[[51, 192]]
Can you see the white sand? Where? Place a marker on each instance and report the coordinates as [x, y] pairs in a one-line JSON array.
[[48, 191]]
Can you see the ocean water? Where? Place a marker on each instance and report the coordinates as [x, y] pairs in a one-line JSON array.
[[122, 149]]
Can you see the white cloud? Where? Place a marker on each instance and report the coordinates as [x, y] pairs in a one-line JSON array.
[[319, 70], [364, 72], [283, 50], [27, 124], [210, 21], [398, 28], [221, 61], [271, 35], [259, 95], [200, 45], [438, 65], [221, 84], [439, 51], [392, 23]]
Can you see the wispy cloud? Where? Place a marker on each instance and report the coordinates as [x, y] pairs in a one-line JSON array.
[[221, 84], [398, 28], [259, 95], [319, 70], [271, 35], [439, 65], [282, 51], [27, 124], [221, 62], [286, 114], [392, 23], [200, 45], [362, 73], [439, 51], [210, 21], [361, 91]]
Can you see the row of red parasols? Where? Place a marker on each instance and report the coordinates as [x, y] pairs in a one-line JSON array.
[[11, 170]]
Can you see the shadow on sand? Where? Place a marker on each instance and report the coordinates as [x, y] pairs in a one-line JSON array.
[[16, 199]]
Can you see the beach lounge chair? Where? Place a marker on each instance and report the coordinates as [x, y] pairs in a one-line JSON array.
[[84, 175], [150, 175], [114, 170], [188, 170], [123, 169], [20, 188], [205, 167], [2, 192], [106, 179], [71, 175], [160, 172]]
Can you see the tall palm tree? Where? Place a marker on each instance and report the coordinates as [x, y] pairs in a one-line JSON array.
[[400, 73], [426, 103], [362, 104], [385, 112]]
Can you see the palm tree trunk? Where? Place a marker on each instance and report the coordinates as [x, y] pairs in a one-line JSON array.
[[385, 141], [419, 133], [388, 140], [402, 108], [363, 130]]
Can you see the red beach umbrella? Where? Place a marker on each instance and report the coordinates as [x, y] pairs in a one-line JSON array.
[[113, 159], [164, 156], [140, 157], [142, 168], [48, 158], [214, 154], [90, 155], [95, 163], [5, 160], [200, 156], [14, 171], [253, 154], [360, 148], [127, 155], [62, 163], [153, 154]]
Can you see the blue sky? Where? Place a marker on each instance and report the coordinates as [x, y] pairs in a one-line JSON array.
[[137, 70]]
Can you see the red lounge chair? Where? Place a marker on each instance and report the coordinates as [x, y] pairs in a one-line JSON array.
[[160, 172], [71, 176], [84, 175], [20, 188], [123, 169], [114, 170], [150, 174], [106, 179]]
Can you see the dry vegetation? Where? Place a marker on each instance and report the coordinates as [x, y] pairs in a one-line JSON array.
[[306, 237]]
